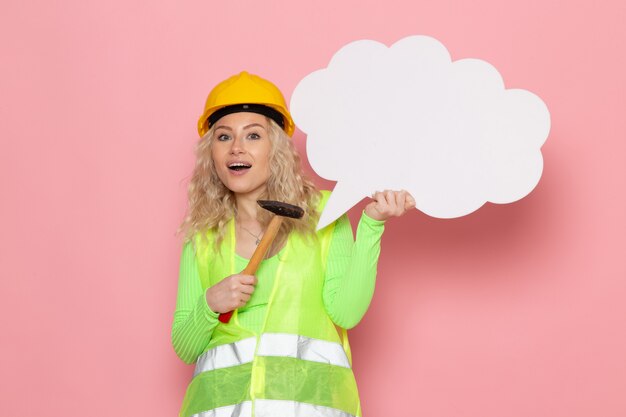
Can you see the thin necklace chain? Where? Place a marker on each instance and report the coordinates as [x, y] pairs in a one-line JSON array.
[[257, 237]]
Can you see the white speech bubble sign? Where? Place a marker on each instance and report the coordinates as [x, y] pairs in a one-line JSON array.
[[407, 117]]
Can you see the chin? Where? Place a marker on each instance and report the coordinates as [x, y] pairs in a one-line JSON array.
[[243, 188], [244, 185]]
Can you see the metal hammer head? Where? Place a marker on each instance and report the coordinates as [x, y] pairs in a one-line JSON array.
[[282, 209]]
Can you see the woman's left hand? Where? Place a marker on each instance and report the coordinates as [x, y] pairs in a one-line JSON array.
[[388, 204]]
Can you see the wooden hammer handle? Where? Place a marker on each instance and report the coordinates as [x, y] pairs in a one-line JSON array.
[[264, 245], [258, 255]]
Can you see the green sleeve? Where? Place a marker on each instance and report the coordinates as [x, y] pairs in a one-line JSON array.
[[351, 270], [194, 321]]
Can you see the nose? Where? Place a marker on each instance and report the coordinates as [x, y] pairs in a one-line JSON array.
[[237, 146]]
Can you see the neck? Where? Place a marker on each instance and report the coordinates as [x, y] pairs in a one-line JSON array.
[[247, 206]]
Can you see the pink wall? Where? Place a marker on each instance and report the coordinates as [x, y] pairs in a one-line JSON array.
[[515, 310]]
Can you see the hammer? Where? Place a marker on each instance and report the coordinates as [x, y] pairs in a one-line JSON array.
[[280, 210]]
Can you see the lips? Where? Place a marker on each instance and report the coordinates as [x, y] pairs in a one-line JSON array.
[[239, 166]]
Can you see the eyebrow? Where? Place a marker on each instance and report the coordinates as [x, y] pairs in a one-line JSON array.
[[245, 127]]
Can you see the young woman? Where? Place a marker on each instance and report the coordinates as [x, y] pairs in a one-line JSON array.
[[285, 352]]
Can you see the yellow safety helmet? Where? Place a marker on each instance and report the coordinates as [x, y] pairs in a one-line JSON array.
[[245, 92]]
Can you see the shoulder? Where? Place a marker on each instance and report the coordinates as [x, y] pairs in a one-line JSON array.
[[328, 230], [325, 195], [201, 241]]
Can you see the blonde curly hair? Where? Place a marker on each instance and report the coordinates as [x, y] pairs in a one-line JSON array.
[[212, 205]]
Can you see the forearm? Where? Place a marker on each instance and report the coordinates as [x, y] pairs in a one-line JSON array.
[[194, 321], [351, 271]]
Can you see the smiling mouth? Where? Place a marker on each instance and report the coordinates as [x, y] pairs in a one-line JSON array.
[[239, 166]]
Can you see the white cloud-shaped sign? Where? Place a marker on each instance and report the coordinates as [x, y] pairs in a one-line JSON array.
[[407, 117]]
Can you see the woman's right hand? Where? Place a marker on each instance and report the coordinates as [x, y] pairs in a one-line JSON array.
[[230, 293]]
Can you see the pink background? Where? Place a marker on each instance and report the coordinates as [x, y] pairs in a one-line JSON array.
[[515, 310]]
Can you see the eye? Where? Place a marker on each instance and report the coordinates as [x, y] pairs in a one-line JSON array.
[[223, 137], [254, 136]]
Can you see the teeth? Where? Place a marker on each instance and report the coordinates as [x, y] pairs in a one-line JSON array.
[[238, 164]]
